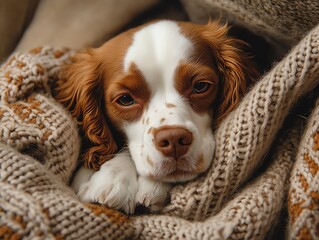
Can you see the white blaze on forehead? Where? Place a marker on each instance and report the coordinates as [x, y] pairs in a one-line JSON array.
[[157, 49]]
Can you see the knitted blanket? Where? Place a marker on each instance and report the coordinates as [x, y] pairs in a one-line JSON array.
[[265, 171]]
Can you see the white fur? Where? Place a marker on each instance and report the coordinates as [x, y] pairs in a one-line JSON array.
[[156, 50], [151, 194], [114, 185], [82, 176], [118, 187]]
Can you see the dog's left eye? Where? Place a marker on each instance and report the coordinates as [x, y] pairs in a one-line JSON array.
[[201, 87], [125, 100]]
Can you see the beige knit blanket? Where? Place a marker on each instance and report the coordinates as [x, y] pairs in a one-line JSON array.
[[265, 172]]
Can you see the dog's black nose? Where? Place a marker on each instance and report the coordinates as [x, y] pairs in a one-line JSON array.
[[173, 141]]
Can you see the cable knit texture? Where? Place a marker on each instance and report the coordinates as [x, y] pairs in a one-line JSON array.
[[283, 21], [266, 160], [38, 152]]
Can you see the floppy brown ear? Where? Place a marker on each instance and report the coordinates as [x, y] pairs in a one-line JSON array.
[[235, 68], [80, 89]]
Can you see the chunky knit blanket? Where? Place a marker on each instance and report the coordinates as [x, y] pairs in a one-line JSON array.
[[263, 181]]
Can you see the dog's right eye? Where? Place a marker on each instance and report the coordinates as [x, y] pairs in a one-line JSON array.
[[126, 100]]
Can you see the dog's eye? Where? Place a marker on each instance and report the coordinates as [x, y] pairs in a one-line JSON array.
[[201, 87], [125, 100]]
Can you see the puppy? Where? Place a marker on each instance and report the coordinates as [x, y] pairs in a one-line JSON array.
[[147, 102]]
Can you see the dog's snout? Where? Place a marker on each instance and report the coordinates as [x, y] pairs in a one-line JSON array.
[[173, 142]]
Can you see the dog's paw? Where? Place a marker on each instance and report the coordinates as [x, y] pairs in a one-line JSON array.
[[152, 194], [114, 185]]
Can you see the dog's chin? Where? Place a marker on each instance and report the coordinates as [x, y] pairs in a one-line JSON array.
[[175, 174], [178, 171], [173, 177]]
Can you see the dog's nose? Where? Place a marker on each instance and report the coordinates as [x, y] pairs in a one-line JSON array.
[[173, 142]]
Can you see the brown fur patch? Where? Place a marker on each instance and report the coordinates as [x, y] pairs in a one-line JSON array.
[[151, 130], [149, 161], [81, 89], [215, 49], [170, 105], [134, 85], [187, 75]]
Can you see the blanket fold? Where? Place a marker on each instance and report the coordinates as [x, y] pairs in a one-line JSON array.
[[303, 199], [36, 204], [259, 203], [30, 120], [247, 133]]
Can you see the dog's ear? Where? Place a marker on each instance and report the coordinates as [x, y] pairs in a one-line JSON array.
[[80, 89], [235, 68]]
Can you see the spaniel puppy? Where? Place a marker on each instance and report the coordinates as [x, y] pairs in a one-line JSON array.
[[147, 102]]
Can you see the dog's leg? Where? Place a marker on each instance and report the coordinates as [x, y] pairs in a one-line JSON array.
[[114, 185]]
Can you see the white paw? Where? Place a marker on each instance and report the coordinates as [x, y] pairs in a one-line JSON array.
[[152, 194], [114, 185], [81, 177]]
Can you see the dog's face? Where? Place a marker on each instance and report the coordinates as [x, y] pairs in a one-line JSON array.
[[163, 87]]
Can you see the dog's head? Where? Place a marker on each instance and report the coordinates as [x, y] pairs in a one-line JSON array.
[[163, 87]]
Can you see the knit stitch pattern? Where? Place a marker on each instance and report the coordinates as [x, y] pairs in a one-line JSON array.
[[210, 207], [303, 193], [38, 152], [30, 120], [246, 135], [282, 21]]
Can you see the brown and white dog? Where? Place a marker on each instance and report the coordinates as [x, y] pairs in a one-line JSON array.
[[147, 102]]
